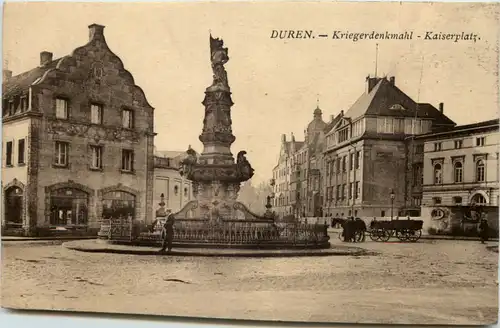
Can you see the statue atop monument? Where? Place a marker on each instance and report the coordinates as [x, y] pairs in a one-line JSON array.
[[219, 57]]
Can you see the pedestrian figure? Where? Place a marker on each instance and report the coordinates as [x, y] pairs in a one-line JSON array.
[[168, 233], [483, 230]]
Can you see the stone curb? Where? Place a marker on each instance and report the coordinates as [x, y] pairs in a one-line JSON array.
[[95, 247], [66, 238]]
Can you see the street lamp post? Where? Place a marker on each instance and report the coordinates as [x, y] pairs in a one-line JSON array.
[[392, 202]]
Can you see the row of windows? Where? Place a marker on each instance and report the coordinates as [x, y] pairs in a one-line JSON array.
[[343, 191], [402, 125], [61, 156], [341, 163], [457, 200], [458, 172], [96, 113], [458, 144], [21, 152]]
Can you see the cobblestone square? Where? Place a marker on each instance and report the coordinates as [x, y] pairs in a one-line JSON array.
[[429, 282]]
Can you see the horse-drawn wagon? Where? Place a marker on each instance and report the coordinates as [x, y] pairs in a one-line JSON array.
[[404, 230]]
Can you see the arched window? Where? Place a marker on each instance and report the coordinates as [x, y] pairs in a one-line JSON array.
[[437, 174], [480, 171], [69, 206], [185, 192], [458, 172], [117, 204], [478, 199]]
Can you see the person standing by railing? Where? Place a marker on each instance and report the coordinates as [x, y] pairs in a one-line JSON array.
[[168, 233]]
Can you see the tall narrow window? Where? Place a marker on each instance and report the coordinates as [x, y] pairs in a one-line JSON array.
[[96, 157], [21, 149], [437, 174], [351, 161], [344, 163], [62, 109], [357, 191], [350, 190], [127, 119], [127, 160], [458, 172], [480, 171], [8, 153], [61, 153], [96, 114], [358, 159]]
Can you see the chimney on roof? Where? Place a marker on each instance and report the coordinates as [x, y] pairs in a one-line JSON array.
[[441, 107], [45, 58], [293, 137], [342, 112], [371, 82], [332, 117], [392, 79], [283, 138], [96, 32], [6, 74]]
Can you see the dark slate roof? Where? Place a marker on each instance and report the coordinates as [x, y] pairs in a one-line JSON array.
[[384, 95], [21, 83], [330, 125]]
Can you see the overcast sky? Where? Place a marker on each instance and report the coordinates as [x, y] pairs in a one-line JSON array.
[[275, 83]]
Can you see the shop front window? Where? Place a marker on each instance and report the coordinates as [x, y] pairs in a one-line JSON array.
[[118, 204], [68, 206]]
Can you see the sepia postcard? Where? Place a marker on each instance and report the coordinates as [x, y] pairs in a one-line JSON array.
[[313, 162]]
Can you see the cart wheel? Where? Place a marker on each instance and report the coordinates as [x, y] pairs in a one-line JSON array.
[[404, 235], [415, 235], [385, 235], [375, 235]]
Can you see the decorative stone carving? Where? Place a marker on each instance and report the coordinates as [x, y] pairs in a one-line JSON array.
[[115, 134]]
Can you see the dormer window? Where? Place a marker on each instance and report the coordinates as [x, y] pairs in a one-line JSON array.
[[12, 107], [397, 107]]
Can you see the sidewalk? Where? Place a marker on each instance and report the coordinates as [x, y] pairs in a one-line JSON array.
[[68, 238]]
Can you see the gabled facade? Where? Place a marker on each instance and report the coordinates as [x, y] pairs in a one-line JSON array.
[[77, 142], [365, 151], [282, 176]]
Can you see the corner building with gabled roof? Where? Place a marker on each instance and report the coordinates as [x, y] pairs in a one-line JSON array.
[[77, 143]]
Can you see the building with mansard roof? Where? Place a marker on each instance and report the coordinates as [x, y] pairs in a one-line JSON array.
[[365, 152], [77, 143]]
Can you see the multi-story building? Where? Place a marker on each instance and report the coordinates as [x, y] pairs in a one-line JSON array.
[[460, 174], [77, 143], [282, 176], [176, 189], [365, 154], [461, 166]]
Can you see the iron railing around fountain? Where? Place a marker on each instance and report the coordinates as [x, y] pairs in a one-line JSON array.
[[232, 232]]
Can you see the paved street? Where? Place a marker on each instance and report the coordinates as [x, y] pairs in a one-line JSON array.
[[430, 282]]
